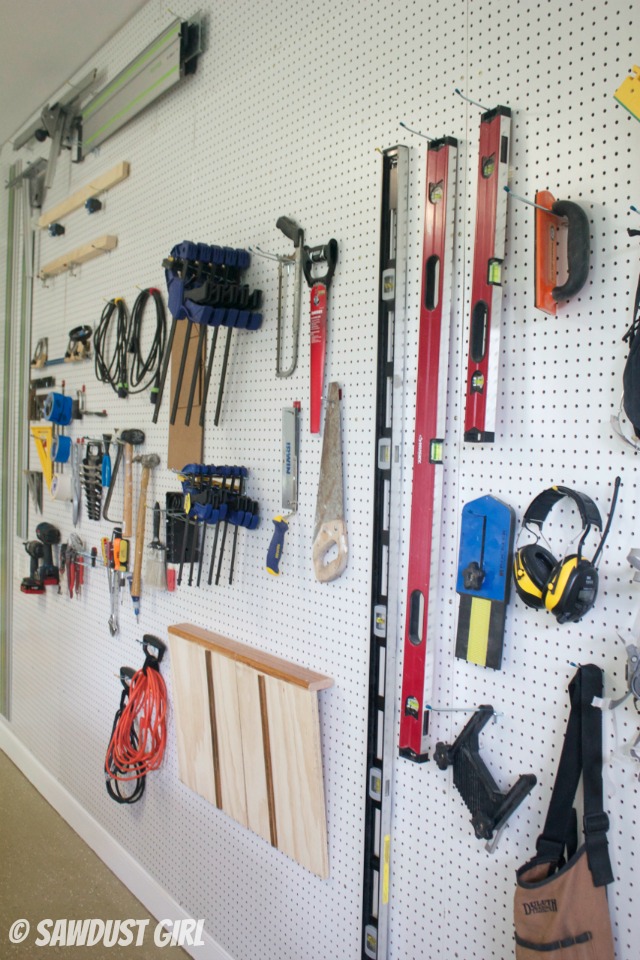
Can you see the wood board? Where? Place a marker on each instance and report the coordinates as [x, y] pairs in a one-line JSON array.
[[185, 442], [296, 761], [192, 702]]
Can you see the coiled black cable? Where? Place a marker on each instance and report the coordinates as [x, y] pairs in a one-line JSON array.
[[144, 373], [141, 373], [113, 369]]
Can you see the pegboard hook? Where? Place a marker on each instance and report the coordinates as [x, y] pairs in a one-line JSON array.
[[418, 133], [468, 99], [431, 709], [538, 206], [635, 209], [279, 258]]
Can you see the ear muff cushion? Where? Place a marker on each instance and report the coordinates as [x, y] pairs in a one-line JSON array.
[[532, 568], [558, 581], [572, 589]]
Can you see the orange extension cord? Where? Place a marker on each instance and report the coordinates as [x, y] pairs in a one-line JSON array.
[[139, 734]]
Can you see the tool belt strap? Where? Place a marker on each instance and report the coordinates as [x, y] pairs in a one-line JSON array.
[[581, 754]]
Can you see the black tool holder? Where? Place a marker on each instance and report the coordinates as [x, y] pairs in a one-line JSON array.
[[490, 808], [91, 479]]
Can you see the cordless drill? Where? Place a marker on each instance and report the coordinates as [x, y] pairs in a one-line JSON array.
[[47, 534], [32, 583], [42, 572]]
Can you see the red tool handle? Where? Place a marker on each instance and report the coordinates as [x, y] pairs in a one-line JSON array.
[[318, 352]]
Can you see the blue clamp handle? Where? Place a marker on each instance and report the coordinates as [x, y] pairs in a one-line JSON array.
[[276, 546]]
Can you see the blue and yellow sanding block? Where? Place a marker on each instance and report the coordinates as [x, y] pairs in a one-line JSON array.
[[484, 561]]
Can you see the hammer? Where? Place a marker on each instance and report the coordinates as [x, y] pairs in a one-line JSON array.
[[130, 438], [148, 461]]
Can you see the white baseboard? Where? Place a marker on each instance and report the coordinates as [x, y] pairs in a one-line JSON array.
[[157, 901]]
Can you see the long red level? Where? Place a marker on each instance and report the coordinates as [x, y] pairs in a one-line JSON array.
[[431, 399], [486, 293]]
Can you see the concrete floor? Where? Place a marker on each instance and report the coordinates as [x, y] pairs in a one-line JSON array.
[[47, 871]]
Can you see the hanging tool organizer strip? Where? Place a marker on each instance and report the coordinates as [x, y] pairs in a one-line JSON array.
[[392, 296], [431, 398]]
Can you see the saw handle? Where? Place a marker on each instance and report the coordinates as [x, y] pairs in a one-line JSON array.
[[274, 553], [291, 230], [577, 249], [325, 253], [332, 533]]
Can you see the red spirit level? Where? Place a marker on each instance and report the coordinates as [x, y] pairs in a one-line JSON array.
[[486, 295], [431, 399]]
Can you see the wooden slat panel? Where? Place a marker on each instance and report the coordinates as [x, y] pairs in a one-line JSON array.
[[262, 662], [192, 720], [227, 713], [97, 186], [296, 762], [253, 752]]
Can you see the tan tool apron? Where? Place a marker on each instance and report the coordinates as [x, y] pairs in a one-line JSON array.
[[563, 916]]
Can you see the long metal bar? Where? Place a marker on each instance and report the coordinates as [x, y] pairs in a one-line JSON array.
[[7, 473], [431, 400], [24, 364], [385, 595]]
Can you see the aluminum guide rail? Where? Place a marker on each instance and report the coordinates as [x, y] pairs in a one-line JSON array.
[[7, 472], [160, 66]]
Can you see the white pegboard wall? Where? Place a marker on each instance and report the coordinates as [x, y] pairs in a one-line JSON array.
[[283, 117]]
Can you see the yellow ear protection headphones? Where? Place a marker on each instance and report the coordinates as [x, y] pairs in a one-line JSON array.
[[567, 587]]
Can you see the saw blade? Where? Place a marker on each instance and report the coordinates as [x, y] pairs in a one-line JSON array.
[[330, 503], [290, 457]]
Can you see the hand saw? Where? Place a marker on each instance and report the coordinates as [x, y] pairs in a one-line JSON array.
[[330, 529], [290, 459]]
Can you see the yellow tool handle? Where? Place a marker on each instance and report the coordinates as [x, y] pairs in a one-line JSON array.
[[104, 543]]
